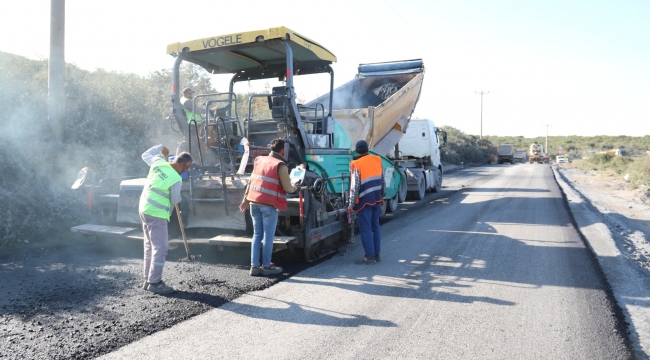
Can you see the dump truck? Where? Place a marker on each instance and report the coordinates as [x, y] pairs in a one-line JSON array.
[[537, 154], [506, 153], [318, 138]]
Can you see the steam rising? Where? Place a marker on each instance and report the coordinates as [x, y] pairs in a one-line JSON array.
[[110, 119]]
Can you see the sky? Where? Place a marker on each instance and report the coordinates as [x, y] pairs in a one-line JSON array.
[[580, 67]]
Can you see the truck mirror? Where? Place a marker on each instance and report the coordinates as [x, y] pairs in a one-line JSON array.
[[444, 139]]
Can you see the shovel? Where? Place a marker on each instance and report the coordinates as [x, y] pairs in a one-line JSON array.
[[187, 248]]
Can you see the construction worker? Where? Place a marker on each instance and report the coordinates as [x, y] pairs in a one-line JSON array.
[[192, 110], [266, 195], [367, 191], [162, 191]]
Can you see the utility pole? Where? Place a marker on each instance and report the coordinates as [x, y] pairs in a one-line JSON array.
[[482, 92], [56, 68], [547, 152]]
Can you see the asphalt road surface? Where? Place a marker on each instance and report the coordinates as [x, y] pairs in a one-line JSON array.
[[494, 270], [84, 299]]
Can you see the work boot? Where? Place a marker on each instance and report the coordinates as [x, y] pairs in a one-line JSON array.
[[255, 270], [365, 261], [377, 258], [160, 288], [271, 270], [145, 286]]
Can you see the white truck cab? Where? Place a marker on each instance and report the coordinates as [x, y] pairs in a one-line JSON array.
[[417, 155]]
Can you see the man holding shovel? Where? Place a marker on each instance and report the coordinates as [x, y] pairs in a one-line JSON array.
[[162, 191]]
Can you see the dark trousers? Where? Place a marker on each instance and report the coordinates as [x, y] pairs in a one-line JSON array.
[[369, 226]]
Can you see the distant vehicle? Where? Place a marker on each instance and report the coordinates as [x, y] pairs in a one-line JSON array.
[[506, 153], [521, 156], [537, 153], [613, 152], [561, 159]]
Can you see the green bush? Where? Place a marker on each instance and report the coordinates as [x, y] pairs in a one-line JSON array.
[[640, 173], [605, 162], [637, 168], [463, 148]]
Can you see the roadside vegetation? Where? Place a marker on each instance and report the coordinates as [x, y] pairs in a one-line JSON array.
[[637, 170], [578, 147], [468, 149], [597, 153]]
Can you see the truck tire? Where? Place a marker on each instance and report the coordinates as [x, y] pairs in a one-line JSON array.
[[392, 204], [438, 185], [402, 193], [384, 208], [422, 187]]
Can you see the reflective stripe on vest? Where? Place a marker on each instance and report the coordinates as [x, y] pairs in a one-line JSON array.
[[156, 197], [188, 114], [265, 186], [370, 177]]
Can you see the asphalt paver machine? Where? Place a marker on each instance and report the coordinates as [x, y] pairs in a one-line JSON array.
[[224, 144]]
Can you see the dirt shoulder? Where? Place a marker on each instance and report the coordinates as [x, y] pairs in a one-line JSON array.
[[624, 210]]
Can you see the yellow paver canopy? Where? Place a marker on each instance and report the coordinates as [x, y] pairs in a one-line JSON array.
[[258, 53]]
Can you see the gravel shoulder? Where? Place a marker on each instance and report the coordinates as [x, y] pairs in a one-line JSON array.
[[625, 211], [614, 222]]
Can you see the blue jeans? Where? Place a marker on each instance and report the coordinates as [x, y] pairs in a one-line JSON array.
[[265, 218], [369, 227]]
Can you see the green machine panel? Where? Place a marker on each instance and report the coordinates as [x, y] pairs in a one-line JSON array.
[[338, 164]]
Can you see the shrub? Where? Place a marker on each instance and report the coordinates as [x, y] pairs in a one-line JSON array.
[[640, 173], [465, 148]]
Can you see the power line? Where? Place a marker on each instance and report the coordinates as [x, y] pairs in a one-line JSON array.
[[482, 92]]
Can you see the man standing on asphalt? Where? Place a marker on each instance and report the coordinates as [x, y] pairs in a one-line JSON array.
[[162, 191], [367, 190], [266, 195]]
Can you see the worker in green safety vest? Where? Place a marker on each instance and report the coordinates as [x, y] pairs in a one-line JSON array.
[[192, 110], [162, 191]]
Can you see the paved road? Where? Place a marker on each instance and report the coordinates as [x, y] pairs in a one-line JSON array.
[[495, 270]]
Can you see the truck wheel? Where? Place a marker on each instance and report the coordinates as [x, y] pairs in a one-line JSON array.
[[384, 207], [438, 185], [419, 194], [401, 194], [392, 204]]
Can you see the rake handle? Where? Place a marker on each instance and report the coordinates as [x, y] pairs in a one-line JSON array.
[[180, 222]]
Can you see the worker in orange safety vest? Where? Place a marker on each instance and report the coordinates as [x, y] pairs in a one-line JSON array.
[[367, 191]]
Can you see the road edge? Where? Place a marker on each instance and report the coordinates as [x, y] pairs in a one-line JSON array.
[[597, 236]]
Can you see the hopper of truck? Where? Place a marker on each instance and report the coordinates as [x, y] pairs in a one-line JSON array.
[[377, 104], [224, 145]]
